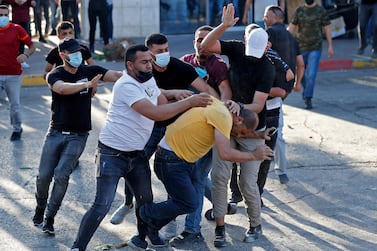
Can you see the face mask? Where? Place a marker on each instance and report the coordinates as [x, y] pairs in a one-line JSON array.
[[75, 59], [162, 59], [143, 76], [309, 2], [4, 20], [201, 72]]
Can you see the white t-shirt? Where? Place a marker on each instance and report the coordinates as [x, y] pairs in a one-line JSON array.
[[125, 129]]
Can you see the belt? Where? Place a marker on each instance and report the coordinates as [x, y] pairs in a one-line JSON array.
[[71, 133], [127, 154]]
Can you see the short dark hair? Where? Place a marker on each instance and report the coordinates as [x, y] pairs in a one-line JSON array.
[[4, 7], [250, 118], [64, 25], [277, 11], [130, 54], [155, 38]]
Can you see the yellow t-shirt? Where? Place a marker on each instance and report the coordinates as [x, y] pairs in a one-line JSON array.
[[192, 135]]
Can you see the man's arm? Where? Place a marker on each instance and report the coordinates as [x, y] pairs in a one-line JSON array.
[[200, 85], [258, 102], [330, 50], [211, 41], [300, 69], [226, 152], [112, 76], [166, 111], [67, 88], [292, 28], [245, 20], [225, 91]]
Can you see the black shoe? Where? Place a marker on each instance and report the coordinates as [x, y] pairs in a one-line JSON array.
[[16, 135], [283, 178], [186, 238], [209, 215], [48, 226], [235, 198], [42, 40], [220, 237], [38, 216], [360, 51], [53, 32], [308, 103], [156, 241], [253, 233], [137, 243], [232, 208]]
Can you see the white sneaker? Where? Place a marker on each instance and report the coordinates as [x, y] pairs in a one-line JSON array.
[[169, 231], [120, 213], [25, 65]]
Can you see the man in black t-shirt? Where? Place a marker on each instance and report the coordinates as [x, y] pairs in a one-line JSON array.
[[65, 29], [251, 77], [72, 87], [286, 45]]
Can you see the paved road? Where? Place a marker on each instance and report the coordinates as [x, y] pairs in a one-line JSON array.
[[329, 203]]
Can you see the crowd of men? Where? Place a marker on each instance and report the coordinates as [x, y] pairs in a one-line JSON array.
[[197, 115]]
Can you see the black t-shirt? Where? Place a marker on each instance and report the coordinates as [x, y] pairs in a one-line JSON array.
[[286, 45], [54, 58], [73, 112], [178, 75], [247, 74]]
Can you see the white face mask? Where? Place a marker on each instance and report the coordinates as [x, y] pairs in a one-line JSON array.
[[162, 59], [75, 59]]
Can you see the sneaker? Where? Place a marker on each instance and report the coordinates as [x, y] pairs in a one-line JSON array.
[[42, 40], [16, 136], [283, 178], [253, 233], [38, 216], [53, 32], [186, 237], [308, 103], [120, 213], [25, 65], [360, 51], [220, 237], [169, 231], [374, 55], [235, 198], [48, 226], [232, 208], [137, 243], [209, 215], [154, 238]]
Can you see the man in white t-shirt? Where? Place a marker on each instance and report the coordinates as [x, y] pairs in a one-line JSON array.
[[135, 104]]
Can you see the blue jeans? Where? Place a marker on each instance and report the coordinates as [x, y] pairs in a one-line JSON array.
[[367, 13], [178, 179], [60, 153], [200, 172], [311, 60], [12, 86], [111, 166]]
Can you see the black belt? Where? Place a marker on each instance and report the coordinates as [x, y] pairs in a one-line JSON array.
[[127, 154]]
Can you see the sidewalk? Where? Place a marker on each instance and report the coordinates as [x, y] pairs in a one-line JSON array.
[[345, 56]]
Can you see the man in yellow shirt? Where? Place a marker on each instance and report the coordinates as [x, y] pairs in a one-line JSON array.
[[186, 140]]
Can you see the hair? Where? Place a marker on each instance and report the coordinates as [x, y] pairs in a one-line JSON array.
[[4, 7], [155, 38], [204, 28], [130, 54], [251, 27], [250, 118], [277, 11], [64, 25]]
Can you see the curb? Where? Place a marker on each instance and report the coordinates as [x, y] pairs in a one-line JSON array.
[[346, 64], [33, 80]]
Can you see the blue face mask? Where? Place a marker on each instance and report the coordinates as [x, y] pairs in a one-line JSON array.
[[4, 21], [201, 72], [75, 59], [162, 59]]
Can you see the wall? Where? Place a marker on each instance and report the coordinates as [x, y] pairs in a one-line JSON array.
[[131, 18]]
